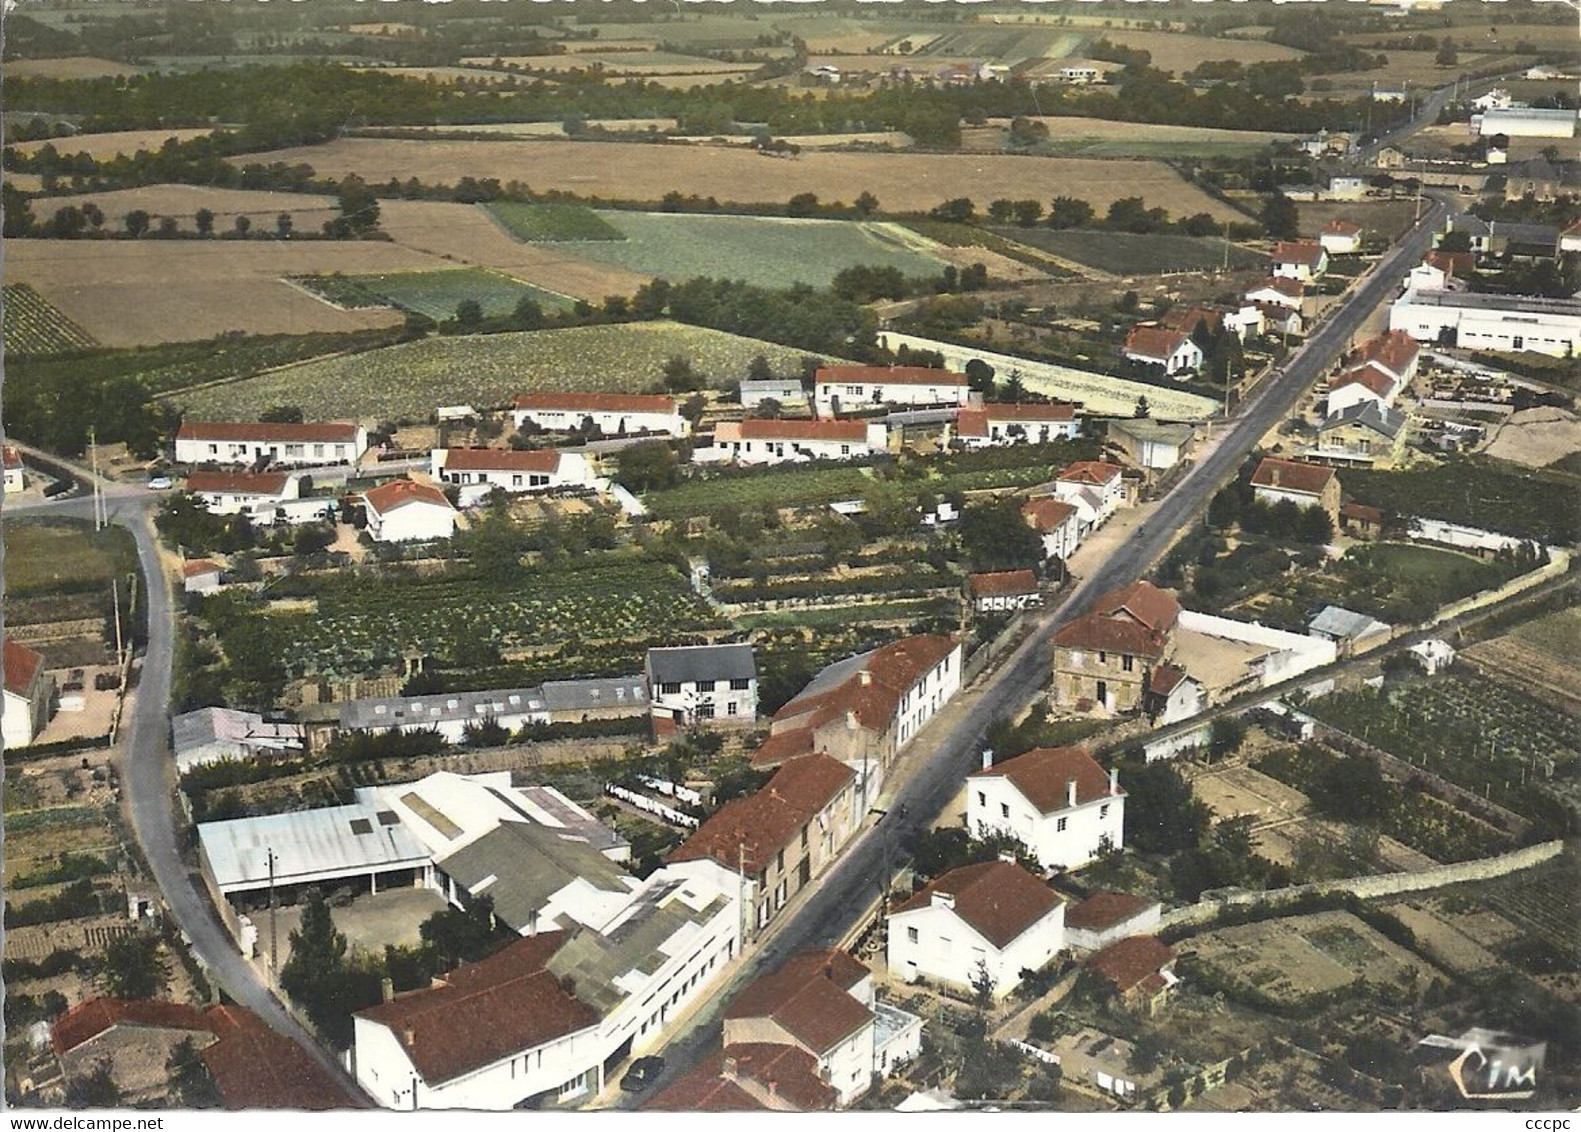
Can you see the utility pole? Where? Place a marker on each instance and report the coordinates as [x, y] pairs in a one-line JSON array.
[[115, 607], [98, 498], [274, 938]]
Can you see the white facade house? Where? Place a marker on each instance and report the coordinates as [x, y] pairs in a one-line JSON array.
[[255, 494], [1056, 800], [29, 695], [839, 389], [15, 473], [408, 511], [1004, 591], [1106, 916], [1301, 260], [1340, 237], [201, 577], [1155, 445], [1278, 291], [254, 443], [614, 414], [694, 685], [994, 425], [1174, 350], [1246, 320], [1095, 488], [1057, 523], [480, 470], [985, 921], [782, 391], [1476, 321], [764, 441]]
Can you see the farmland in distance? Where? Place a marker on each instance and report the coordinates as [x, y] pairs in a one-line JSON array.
[[551, 223], [34, 327], [1125, 253], [436, 294], [407, 381]]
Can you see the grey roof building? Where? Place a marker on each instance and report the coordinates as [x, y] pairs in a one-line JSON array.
[[1380, 418], [214, 733], [1347, 628], [701, 683], [522, 866]]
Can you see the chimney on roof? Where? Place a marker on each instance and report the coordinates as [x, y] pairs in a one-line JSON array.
[[729, 1067], [407, 1036], [386, 989], [851, 723], [988, 758], [1114, 780], [1007, 856], [1070, 791], [943, 900], [1273, 474], [866, 678]]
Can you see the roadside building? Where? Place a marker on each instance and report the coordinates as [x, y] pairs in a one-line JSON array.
[[1301, 260], [612, 414], [1306, 485], [1528, 122], [1340, 237], [1105, 657], [701, 685], [258, 495], [201, 577], [1174, 350], [1278, 291], [1095, 488], [979, 923], [1478, 321], [1154, 445], [1057, 523], [1351, 632], [1368, 435], [1016, 424], [1004, 591], [218, 734], [29, 695], [782, 391], [839, 389], [1057, 801], [258, 443], [408, 511]]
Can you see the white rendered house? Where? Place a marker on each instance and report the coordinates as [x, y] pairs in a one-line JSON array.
[[1016, 424], [614, 414], [29, 695], [1057, 523], [244, 442], [839, 389], [1056, 800], [479, 470], [765, 441], [408, 511]]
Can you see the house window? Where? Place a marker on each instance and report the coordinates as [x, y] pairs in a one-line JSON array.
[[1004, 809], [670, 688], [1103, 658], [516, 480], [1128, 663], [804, 837], [779, 860], [740, 685], [1059, 826], [214, 449], [982, 799], [1103, 811], [912, 935], [730, 708]]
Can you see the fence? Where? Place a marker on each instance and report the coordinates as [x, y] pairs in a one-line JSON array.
[[651, 806]]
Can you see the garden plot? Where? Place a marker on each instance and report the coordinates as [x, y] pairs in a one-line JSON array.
[[1536, 438], [33, 327], [1458, 944], [1537, 658], [1128, 253], [552, 223], [1302, 958], [407, 381]]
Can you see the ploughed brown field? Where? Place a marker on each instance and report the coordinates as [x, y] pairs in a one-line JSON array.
[[308, 212], [109, 145], [69, 67], [638, 171]]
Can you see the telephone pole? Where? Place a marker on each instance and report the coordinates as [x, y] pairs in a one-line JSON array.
[[274, 938]]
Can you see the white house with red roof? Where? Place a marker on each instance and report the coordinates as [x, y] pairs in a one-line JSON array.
[[1094, 487], [478, 471], [1174, 350], [1278, 291], [1302, 260], [259, 442], [759, 440], [1295, 481], [201, 576], [1107, 916], [1057, 801], [1004, 590], [15, 477], [29, 695], [991, 920], [838, 389], [408, 511], [1016, 424], [255, 494], [1340, 237], [613, 414], [1057, 523], [1377, 371]]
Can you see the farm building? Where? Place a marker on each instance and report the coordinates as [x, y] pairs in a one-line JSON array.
[[15, 471], [1340, 237], [215, 734], [1350, 631], [1155, 445], [1139, 970], [1011, 424], [1306, 485], [765, 441], [1527, 122], [785, 834], [259, 443], [1475, 321], [1278, 291], [1368, 434], [780, 391], [1105, 657], [1095, 488], [991, 920], [1004, 590], [29, 695], [613, 414], [839, 389], [201, 577], [408, 511], [1106, 916], [452, 713], [479, 471], [700, 684], [1301, 260], [1056, 800], [1057, 523], [822, 1005], [1174, 350], [864, 710]]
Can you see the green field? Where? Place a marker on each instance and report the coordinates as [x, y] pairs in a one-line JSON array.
[[53, 555], [551, 223], [1477, 492], [436, 294], [765, 251], [781, 486], [1409, 564], [407, 381], [1159, 149], [1127, 253], [33, 326]]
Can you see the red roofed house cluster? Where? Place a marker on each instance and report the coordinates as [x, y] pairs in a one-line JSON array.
[[838, 389], [1378, 370], [1057, 523], [1106, 656], [1094, 487], [1057, 801]]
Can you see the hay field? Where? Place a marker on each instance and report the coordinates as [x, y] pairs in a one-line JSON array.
[[1415, 70], [634, 170], [1100, 138], [143, 292], [448, 75], [638, 63], [1178, 52], [1391, 218], [70, 67], [113, 144], [308, 212]]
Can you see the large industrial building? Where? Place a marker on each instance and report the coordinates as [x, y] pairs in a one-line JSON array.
[[1476, 321]]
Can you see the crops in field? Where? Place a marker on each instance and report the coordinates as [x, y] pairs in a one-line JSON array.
[[34, 327], [406, 382], [436, 294], [364, 624], [552, 223], [1478, 493], [765, 251], [1128, 253], [782, 487]]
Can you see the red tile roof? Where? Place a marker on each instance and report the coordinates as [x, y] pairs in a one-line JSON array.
[[887, 375], [1292, 287], [1128, 962], [485, 1012], [312, 432], [1307, 252], [254, 1067], [783, 745], [200, 566], [237, 483], [1155, 342], [1370, 375], [891, 671], [1093, 472], [87, 1020], [809, 998], [704, 1089], [1043, 776], [1292, 475], [762, 428], [1003, 583], [22, 666], [1361, 512], [501, 460], [1341, 228], [597, 402], [1141, 602], [748, 832], [1105, 909], [999, 900], [1186, 319], [789, 1074], [1454, 265], [1394, 349], [13, 458], [398, 493], [974, 422], [1165, 678], [1048, 514], [1278, 313], [1096, 633]]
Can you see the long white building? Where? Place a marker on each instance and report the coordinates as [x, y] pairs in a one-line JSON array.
[[763, 441], [478, 471], [254, 442], [838, 389], [614, 414], [1509, 323]]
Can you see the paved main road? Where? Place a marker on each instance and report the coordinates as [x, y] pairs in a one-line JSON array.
[[952, 749]]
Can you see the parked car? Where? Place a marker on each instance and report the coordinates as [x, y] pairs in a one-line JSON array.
[[161, 483], [643, 1072]]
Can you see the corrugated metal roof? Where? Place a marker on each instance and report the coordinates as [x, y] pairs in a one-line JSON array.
[[1336, 621], [529, 864], [337, 839]]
